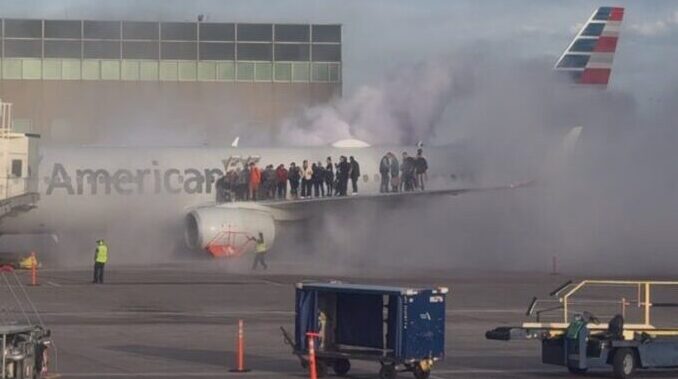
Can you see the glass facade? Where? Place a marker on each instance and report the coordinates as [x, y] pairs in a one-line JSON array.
[[168, 51]]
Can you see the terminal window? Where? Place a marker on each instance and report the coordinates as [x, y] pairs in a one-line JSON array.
[[63, 29], [217, 32], [292, 52], [326, 33], [255, 32], [23, 28], [140, 30], [292, 33], [179, 31], [16, 168], [101, 29]]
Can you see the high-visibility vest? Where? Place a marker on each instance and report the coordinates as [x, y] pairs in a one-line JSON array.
[[261, 247], [102, 254]]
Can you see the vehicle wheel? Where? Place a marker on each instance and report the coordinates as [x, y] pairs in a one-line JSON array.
[[341, 367], [576, 370], [420, 372], [387, 371], [624, 363], [321, 369]]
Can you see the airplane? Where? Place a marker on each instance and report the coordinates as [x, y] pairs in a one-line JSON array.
[[89, 188]]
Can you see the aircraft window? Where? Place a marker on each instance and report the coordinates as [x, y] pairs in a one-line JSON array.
[[366, 178], [584, 45], [593, 29], [572, 60], [16, 168], [377, 177]]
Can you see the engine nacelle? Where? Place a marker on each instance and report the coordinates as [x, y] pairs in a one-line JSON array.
[[226, 231]]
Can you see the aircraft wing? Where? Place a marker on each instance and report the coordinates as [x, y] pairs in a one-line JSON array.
[[309, 205]]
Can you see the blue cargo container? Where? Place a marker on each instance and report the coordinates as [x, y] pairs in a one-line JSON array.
[[402, 328]]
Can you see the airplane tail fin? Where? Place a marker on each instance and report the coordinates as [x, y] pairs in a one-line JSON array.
[[588, 58]]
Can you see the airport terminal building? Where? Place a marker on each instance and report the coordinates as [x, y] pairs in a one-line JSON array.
[[81, 81]]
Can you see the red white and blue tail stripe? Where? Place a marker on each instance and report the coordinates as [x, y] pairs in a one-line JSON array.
[[589, 57]]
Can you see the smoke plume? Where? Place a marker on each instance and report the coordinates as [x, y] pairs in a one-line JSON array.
[[609, 206]]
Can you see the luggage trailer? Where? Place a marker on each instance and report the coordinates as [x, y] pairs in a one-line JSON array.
[[579, 341], [401, 328]]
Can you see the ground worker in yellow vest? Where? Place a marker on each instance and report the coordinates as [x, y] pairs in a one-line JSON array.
[[100, 259], [260, 250]]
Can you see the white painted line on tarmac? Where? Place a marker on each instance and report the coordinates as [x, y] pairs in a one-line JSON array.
[[54, 284]]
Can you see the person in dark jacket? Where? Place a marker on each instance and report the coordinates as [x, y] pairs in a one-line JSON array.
[[421, 167], [343, 169], [221, 190], [395, 173], [294, 176], [244, 183], [270, 182], [355, 174], [321, 178], [232, 180], [316, 179], [385, 171], [281, 175], [329, 177], [407, 169]]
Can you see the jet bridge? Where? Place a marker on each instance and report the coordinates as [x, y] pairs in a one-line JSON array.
[[18, 166]]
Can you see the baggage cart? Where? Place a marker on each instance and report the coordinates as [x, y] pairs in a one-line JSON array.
[[401, 328]]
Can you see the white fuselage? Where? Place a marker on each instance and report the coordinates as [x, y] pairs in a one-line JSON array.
[[88, 188]]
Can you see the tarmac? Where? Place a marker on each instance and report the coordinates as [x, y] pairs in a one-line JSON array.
[[180, 321]]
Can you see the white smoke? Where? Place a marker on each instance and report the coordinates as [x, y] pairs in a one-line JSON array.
[[611, 208], [405, 107]]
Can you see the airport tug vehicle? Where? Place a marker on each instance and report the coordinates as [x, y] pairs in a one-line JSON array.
[[401, 328], [580, 341]]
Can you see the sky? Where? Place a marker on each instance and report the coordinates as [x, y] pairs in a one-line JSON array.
[[379, 35]]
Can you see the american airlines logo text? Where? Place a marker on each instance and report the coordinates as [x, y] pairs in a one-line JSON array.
[[88, 181]]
